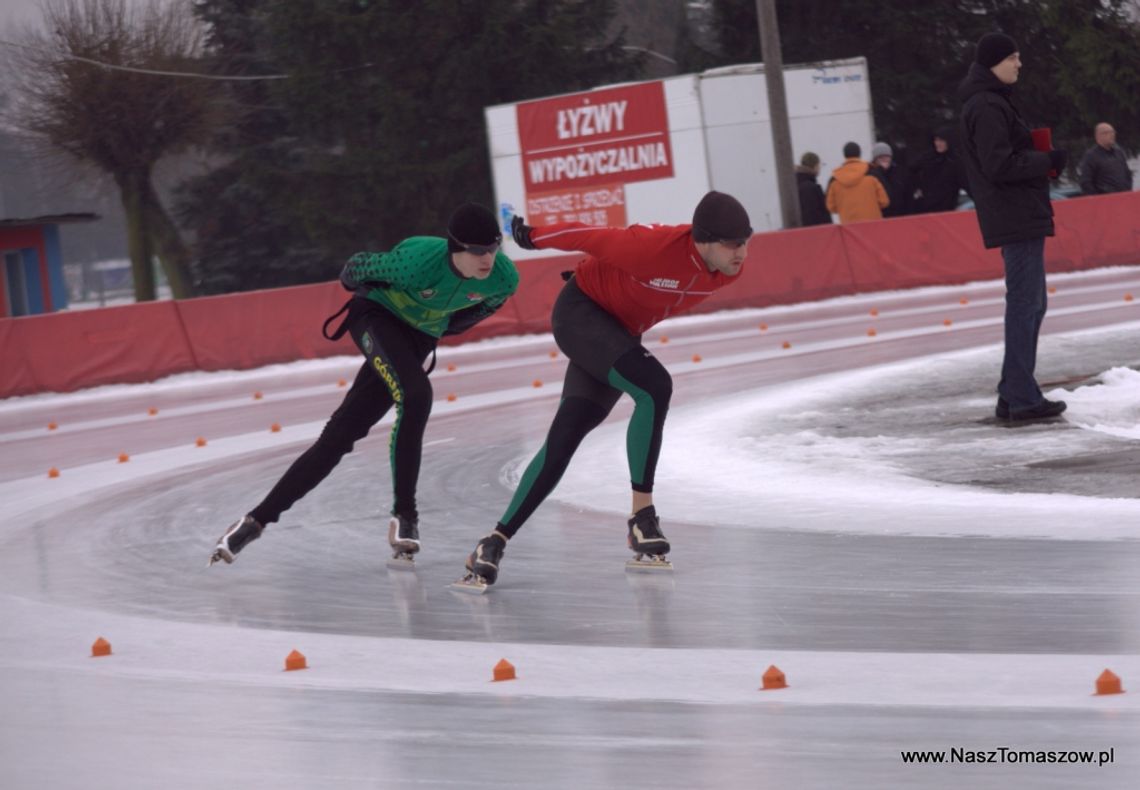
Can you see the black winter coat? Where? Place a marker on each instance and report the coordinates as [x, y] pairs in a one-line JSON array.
[[895, 184], [1008, 178], [939, 177], [813, 206]]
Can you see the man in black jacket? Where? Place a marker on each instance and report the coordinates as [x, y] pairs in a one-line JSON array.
[[813, 206], [938, 175], [1104, 167], [1010, 184]]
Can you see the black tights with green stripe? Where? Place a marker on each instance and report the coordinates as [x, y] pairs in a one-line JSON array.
[[605, 361], [392, 374]]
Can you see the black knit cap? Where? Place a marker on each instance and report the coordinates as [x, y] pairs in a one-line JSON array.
[[472, 224], [993, 48], [720, 217]]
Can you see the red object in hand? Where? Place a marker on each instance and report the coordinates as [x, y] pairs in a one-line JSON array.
[[1043, 141]]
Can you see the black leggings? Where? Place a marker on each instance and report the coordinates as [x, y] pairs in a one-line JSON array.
[[392, 373], [605, 361]]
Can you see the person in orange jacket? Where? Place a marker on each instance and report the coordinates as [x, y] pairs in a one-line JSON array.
[[853, 194]]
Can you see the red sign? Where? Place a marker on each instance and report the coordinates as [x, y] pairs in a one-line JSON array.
[[602, 206], [616, 135]]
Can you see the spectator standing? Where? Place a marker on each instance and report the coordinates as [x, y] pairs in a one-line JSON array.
[[1104, 168], [938, 176], [852, 193], [892, 178], [813, 205], [1010, 184]]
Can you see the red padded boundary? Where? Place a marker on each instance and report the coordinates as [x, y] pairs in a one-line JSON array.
[[69, 350]]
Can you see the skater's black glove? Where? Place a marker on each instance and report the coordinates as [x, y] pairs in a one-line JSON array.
[[1057, 160], [521, 233]]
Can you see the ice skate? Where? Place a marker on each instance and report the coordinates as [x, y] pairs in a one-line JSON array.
[[241, 532], [647, 543], [404, 538], [483, 564]]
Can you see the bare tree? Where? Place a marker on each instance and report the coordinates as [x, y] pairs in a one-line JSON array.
[[86, 86]]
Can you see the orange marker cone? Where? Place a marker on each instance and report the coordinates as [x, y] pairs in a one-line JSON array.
[[554, 355], [257, 396], [874, 312], [963, 300], [101, 648], [123, 458], [450, 397], [871, 332], [664, 338], [200, 442], [152, 411], [504, 670], [946, 322], [53, 472], [1128, 297], [341, 383], [451, 368], [1052, 289], [275, 428], [295, 661], [696, 357], [787, 344], [52, 426], [1108, 683], [763, 327], [536, 383], [774, 679]]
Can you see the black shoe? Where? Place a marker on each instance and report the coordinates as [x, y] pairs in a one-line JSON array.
[[484, 561], [645, 533], [242, 532], [1042, 411], [404, 534], [1001, 411]]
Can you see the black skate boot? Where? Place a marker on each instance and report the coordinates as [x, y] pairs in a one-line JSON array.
[[241, 533], [647, 541], [404, 538], [483, 564]]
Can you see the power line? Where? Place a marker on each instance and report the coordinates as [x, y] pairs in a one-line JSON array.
[[187, 74]]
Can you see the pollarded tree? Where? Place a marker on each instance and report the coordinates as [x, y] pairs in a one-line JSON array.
[[86, 86]]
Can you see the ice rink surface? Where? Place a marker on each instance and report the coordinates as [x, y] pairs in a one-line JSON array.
[[841, 508]]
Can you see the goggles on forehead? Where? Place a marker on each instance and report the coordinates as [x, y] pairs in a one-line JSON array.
[[479, 249]]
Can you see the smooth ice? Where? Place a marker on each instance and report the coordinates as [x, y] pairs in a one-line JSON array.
[[842, 509]]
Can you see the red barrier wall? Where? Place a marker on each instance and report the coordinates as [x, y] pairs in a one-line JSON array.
[[65, 351]]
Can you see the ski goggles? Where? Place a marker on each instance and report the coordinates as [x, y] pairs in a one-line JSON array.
[[479, 249]]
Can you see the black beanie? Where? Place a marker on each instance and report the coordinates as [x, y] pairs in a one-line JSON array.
[[472, 224], [993, 48], [852, 151], [720, 217]]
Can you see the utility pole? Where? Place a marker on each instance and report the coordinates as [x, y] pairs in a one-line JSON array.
[[778, 111]]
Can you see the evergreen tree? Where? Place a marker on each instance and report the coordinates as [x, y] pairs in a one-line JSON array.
[[377, 132], [1082, 57]]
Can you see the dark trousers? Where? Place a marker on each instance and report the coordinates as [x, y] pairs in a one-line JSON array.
[[1025, 304], [605, 361], [392, 374]]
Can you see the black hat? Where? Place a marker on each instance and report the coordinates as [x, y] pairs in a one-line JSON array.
[[993, 48], [720, 217], [472, 224], [852, 150]]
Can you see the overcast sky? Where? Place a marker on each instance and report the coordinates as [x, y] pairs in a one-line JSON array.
[[22, 11]]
